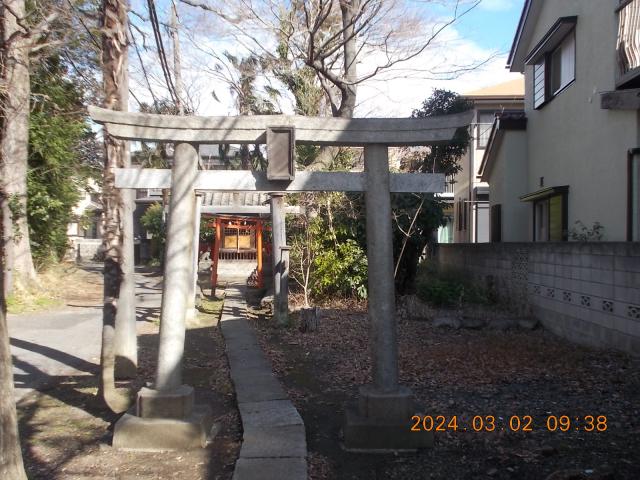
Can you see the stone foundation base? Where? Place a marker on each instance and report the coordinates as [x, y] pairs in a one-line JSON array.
[[362, 434], [381, 422], [162, 434], [176, 403]]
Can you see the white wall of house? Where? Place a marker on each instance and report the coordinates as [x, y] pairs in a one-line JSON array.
[[572, 140], [85, 241]]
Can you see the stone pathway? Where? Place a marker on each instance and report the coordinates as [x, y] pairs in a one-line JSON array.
[[274, 443]]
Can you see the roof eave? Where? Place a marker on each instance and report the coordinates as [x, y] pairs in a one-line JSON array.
[[495, 98], [515, 61], [499, 127], [487, 164]]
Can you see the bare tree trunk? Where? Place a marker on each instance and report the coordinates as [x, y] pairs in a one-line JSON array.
[[348, 89], [114, 55], [347, 82], [11, 464], [14, 148]]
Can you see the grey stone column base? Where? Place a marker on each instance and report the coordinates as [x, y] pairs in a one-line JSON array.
[[396, 406], [177, 403], [377, 435], [163, 434], [380, 422]]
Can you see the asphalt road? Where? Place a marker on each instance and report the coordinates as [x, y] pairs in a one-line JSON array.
[[48, 346]]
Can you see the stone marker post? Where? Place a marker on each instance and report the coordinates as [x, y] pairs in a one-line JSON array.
[[381, 420], [278, 232]]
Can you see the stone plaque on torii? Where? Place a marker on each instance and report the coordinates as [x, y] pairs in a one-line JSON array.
[[381, 419]]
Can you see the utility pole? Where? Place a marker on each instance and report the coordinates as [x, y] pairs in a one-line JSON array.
[[177, 68]]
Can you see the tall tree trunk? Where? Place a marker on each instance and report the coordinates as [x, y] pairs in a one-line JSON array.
[[11, 465], [14, 145], [348, 89], [114, 58]]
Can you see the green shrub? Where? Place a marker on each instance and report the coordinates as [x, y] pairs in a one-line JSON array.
[[438, 292], [341, 271], [152, 222], [449, 289]]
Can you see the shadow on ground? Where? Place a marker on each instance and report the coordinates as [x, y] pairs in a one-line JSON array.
[[66, 430]]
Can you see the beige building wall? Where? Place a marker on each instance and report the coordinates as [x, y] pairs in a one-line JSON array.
[[572, 141], [485, 100], [508, 180]]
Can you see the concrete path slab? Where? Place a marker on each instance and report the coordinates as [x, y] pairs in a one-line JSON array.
[[275, 413], [270, 468], [274, 441], [257, 388]]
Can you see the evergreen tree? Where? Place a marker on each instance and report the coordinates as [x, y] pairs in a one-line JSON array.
[[419, 216], [57, 174]]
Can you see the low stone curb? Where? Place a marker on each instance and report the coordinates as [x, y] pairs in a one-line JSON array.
[[274, 443]]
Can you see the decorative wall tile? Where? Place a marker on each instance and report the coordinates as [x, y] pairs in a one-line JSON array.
[[567, 296], [607, 306], [585, 300]]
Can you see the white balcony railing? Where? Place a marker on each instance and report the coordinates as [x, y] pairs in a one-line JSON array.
[[628, 42]]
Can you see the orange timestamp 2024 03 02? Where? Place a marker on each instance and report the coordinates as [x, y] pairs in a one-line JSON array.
[[514, 423]]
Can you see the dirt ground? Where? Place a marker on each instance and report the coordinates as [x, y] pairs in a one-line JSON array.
[[66, 430], [466, 373]]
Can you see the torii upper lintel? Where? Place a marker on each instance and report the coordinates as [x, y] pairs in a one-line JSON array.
[[309, 130]]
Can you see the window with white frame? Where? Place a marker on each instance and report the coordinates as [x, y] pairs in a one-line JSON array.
[[554, 61], [563, 64], [485, 122]]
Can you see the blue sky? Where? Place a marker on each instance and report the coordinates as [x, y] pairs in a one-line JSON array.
[[486, 32], [492, 24]]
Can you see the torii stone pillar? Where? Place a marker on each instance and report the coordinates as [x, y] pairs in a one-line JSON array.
[[165, 417], [280, 270], [259, 267], [193, 292], [381, 419], [126, 341], [178, 267]]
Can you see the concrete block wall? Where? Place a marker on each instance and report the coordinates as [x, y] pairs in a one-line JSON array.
[[84, 249], [586, 292]]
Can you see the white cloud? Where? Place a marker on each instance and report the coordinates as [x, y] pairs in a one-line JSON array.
[[497, 5], [398, 92]]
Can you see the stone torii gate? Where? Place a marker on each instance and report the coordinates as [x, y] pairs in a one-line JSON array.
[[166, 413]]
